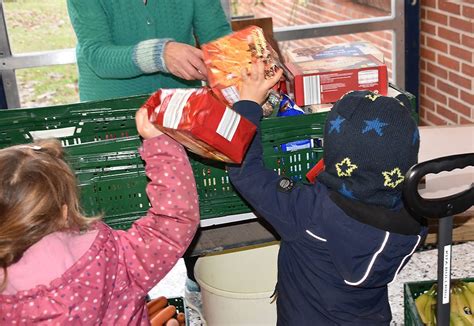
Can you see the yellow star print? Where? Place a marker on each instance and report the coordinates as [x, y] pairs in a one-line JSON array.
[[345, 168], [372, 96], [393, 178]]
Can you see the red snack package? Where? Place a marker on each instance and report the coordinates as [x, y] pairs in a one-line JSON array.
[[201, 123], [227, 56]]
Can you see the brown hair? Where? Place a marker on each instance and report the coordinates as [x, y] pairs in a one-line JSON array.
[[35, 184]]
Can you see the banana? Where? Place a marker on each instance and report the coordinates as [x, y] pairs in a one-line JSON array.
[[454, 308], [469, 296], [430, 308], [433, 313], [456, 320], [470, 286], [420, 304], [460, 305], [461, 301], [465, 308]]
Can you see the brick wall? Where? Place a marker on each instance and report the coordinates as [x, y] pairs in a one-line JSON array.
[[446, 45], [447, 62]]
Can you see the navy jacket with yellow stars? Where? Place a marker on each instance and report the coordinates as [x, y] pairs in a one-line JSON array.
[[336, 255]]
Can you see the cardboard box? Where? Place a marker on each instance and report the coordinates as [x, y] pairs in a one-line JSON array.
[[201, 123], [343, 49], [393, 91], [265, 23], [317, 75]]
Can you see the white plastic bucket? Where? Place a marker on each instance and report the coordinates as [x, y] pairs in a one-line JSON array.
[[236, 287]]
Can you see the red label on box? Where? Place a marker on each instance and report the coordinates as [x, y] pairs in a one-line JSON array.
[[196, 119]]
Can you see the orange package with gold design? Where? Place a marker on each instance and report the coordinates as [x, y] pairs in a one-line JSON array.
[[227, 56]]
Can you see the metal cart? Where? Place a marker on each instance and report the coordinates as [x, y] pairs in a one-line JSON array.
[[442, 209]]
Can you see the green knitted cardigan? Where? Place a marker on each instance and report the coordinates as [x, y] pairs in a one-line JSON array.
[[120, 42]]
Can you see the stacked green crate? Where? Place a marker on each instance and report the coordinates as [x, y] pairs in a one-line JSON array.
[[278, 133], [101, 142], [111, 178], [217, 197], [73, 124]]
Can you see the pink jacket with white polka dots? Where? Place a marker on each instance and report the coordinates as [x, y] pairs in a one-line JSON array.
[[103, 276]]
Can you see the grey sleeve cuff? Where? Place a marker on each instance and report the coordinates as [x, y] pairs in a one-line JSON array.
[[148, 55]]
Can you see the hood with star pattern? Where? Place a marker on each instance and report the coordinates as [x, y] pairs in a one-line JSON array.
[[370, 142]]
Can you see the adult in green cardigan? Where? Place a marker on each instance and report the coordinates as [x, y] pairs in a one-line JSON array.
[[131, 47]]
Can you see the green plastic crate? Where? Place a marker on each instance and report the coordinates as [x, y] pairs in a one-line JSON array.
[[111, 179], [180, 305], [411, 291], [96, 165], [109, 157], [74, 123], [101, 144], [119, 196], [277, 132], [113, 164], [217, 197]]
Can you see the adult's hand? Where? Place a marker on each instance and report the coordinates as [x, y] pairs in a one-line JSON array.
[[185, 61]]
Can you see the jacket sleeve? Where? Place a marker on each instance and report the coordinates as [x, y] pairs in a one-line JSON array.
[[210, 21], [95, 42], [287, 208], [154, 243]]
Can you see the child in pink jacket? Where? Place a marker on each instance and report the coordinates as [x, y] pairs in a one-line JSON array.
[[58, 267]]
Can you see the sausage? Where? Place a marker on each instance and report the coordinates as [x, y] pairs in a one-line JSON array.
[[181, 318], [162, 317], [172, 322], [156, 305]]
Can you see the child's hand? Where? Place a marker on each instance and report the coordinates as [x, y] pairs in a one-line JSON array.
[[254, 85], [145, 128]]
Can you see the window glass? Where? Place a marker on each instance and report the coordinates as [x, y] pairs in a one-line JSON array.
[[35, 26], [304, 12], [38, 25], [46, 86]]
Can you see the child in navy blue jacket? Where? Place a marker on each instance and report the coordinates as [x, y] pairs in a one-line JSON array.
[[346, 237]]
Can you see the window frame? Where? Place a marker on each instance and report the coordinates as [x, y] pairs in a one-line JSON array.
[[395, 22]]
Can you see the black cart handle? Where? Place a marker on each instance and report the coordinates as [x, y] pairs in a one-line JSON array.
[[439, 207]]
